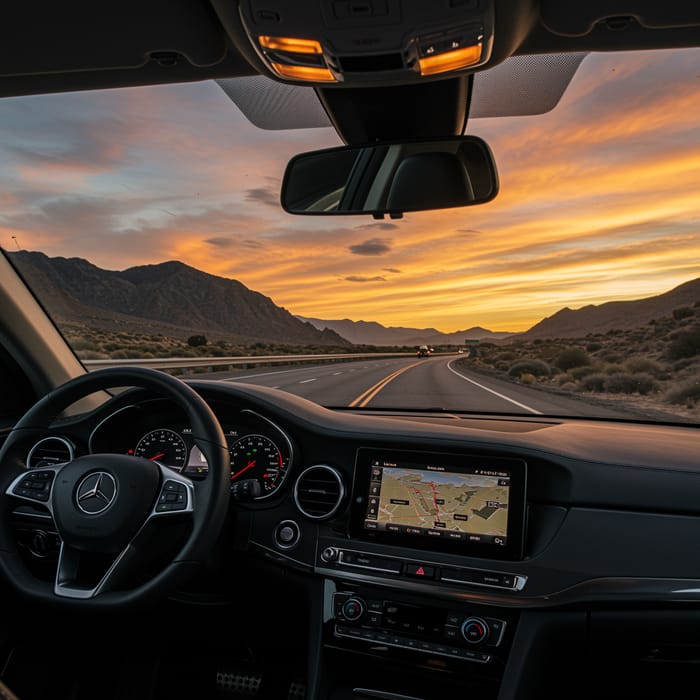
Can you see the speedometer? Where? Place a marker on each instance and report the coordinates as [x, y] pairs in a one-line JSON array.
[[258, 457], [164, 446]]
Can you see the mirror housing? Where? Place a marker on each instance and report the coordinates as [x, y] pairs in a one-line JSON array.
[[391, 177]]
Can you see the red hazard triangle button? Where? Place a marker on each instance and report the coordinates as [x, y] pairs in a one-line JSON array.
[[420, 571]]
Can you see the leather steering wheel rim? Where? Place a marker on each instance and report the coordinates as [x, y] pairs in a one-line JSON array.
[[210, 496]]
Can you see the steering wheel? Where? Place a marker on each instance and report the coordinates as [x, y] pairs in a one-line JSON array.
[[105, 506]]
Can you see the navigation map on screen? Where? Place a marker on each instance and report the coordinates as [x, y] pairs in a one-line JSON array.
[[435, 502]]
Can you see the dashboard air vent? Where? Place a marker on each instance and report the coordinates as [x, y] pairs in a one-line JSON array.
[[319, 491], [50, 451]]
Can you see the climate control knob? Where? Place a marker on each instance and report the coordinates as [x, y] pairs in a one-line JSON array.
[[475, 630], [353, 609]]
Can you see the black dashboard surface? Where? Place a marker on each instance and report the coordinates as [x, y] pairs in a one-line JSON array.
[[611, 508]]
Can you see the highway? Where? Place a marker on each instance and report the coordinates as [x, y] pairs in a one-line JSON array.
[[434, 383]]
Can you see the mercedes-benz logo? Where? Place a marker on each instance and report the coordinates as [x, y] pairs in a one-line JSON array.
[[96, 492]]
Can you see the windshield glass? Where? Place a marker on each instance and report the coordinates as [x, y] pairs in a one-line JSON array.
[[148, 223]]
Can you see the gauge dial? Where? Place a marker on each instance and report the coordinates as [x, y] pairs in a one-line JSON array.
[[163, 446], [257, 457]]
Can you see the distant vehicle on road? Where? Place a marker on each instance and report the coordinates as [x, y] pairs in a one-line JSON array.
[[423, 351]]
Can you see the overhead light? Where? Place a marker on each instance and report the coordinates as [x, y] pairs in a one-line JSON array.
[[294, 58], [456, 59], [290, 44], [310, 73]]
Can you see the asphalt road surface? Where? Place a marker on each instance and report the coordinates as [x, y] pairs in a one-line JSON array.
[[435, 383]]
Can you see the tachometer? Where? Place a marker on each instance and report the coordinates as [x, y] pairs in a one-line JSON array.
[[163, 446], [257, 457]]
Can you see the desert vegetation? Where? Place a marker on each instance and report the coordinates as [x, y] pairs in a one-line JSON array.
[[99, 344], [657, 364]]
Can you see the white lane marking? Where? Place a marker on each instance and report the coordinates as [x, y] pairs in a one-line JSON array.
[[335, 374], [491, 391], [267, 374], [306, 381]]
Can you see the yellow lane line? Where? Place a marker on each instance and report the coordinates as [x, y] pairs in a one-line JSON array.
[[366, 396]]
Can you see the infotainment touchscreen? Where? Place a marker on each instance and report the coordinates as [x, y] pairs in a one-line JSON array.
[[460, 503]]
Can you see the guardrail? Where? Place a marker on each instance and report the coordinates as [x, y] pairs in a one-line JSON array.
[[186, 363]]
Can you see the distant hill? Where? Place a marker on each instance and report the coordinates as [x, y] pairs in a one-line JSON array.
[[570, 323], [373, 333], [169, 298]]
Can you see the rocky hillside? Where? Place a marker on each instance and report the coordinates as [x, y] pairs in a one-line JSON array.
[[614, 315], [169, 297]]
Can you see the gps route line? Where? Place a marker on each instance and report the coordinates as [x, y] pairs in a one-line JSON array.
[[365, 397]]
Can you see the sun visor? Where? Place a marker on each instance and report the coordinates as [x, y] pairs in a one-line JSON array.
[[520, 86]]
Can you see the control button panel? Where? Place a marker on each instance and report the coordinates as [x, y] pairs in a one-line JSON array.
[[35, 486], [408, 643], [425, 629], [371, 564]]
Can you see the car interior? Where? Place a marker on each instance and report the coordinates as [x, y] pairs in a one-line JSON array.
[[146, 555]]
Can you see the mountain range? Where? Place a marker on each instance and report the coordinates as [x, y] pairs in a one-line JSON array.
[[169, 298], [178, 300], [373, 333]]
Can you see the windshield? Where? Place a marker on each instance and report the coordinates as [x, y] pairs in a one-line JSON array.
[[148, 223]]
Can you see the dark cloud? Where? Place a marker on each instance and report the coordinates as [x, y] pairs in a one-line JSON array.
[[361, 278], [391, 269], [221, 241], [468, 230], [372, 246], [378, 225], [264, 195]]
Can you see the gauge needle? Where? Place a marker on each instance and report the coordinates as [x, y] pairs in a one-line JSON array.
[[158, 456], [250, 465]]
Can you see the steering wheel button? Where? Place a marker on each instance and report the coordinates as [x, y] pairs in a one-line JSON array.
[[170, 486]]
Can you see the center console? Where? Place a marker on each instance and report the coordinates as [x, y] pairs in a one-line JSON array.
[[419, 573]]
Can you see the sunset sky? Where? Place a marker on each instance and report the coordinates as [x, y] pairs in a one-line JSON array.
[[599, 200]]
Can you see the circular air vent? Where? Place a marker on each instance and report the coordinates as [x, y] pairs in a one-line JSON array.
[[319, 491], [49, 452]]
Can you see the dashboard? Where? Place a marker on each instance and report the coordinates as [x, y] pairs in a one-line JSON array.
[[426, 539]]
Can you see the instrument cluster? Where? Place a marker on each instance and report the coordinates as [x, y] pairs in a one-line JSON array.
[[260, 450]]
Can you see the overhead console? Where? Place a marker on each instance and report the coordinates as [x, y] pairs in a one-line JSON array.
[[365, 41]]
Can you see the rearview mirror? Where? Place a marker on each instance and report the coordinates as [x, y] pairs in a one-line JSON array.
[[391, 178]]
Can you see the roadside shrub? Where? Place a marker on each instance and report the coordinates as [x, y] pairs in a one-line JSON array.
[[624, 383], [682, 312], [680, 365], [594, 347], [685, 344], [613, 369], [537, 368], [642, 364], [505, 357], [568, 386], [594, 382], [687, 393], [84, 344], [581, 372], [572, 357], [527, 378], [196, 340], [610, 356]]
